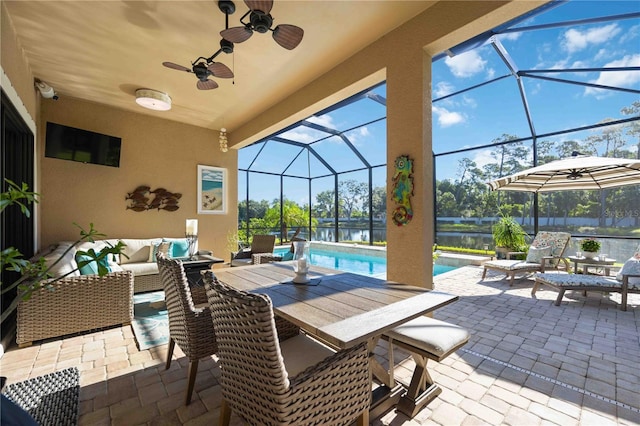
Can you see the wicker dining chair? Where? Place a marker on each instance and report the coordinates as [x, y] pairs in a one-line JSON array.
[[189, 322], [294, 382]]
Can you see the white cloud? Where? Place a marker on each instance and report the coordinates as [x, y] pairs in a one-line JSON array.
[[469, 101], [491, 73], [630, 34], [358, 135], [466, 64], [602, 54], [297, 135], [483, 157], [306, 134], [616, 78], [575, 40], [509, 36], [323, 120], [447, 118], [443, 88]]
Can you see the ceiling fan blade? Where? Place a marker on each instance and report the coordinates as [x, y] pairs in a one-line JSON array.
[[261, 5], [236, 34], [206, 84], [288, 36], [176, 66], [220, 70]]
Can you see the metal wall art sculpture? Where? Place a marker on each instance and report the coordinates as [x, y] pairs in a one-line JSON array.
[[143, 199], [403, 190]]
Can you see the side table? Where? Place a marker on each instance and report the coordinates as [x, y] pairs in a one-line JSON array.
[[193, 267], [591, 263]]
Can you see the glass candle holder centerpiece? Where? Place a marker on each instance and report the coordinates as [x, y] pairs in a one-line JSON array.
[[191, 235], [301, 262]]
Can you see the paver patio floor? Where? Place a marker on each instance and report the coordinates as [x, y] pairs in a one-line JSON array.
[[528, 362]]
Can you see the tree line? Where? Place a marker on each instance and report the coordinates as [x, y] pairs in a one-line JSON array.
[[469, 196]]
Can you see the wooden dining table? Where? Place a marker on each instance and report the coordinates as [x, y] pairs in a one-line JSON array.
[[342, 309]]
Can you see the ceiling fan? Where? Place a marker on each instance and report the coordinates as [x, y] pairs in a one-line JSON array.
[[207, 67], [260, 20]]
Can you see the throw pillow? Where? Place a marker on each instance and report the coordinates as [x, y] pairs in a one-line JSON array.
[[536, 254], [161, 247], [630, 267], [179, 247], [91, 268]]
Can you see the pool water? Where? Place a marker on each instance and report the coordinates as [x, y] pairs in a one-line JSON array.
[[355, 262]]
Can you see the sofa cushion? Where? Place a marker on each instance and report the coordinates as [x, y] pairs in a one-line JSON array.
[[91, 268], [136, 250], [98, 245], [140, 269], [179, 247], [66, 265], [115, 267]]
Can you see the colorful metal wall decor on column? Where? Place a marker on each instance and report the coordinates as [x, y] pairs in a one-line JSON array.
[[403, 190], [162, 199]]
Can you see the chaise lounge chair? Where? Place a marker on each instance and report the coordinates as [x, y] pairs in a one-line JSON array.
[[545, 252], [627, 281]]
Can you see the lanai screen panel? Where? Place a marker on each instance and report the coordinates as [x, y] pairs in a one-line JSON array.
[[371, 141], [338, 154], [460, 121]]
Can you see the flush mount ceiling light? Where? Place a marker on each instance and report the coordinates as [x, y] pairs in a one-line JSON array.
[[152, 99]]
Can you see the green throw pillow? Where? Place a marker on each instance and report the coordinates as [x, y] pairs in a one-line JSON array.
[[91, 268], [179, 247]]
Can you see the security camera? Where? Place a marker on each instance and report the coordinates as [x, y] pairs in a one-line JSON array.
[[46, 91]]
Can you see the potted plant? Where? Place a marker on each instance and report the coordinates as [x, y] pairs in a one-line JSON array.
[[508, 236], [590, 247]]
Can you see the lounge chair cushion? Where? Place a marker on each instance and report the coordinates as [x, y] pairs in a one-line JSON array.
[[579, 281], [512, 265], [536, 254]]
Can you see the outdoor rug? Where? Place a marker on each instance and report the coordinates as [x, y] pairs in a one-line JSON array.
[[51, 399], [150, 320]]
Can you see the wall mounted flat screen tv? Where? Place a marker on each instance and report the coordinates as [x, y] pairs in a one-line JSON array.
[[69, 143]]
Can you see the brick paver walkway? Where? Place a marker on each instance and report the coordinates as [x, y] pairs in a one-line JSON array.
[[528, 362]]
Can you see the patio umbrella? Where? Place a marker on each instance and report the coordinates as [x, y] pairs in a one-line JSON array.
[[579, 172]]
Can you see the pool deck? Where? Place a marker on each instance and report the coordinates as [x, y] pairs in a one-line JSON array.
[[528, 362]]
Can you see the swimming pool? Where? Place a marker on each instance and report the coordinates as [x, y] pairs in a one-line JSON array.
[[356, 262]]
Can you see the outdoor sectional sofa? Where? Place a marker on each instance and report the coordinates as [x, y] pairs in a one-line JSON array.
[[137, 257], [78, 302]]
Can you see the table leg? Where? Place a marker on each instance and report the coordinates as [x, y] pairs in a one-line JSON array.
[[387, 395]]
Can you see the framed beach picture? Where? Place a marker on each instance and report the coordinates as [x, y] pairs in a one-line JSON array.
[[212, 190]]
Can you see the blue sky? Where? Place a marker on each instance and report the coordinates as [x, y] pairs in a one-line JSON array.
[[478, 116]]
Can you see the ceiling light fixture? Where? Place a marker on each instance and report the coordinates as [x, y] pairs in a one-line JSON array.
[[152, 99]]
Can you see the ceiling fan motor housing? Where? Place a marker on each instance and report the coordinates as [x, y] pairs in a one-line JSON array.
[[226, 46], [260, 21], [201, 71]]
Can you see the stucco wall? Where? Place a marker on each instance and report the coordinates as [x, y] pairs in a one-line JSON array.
[[155, 152], [15, 67]]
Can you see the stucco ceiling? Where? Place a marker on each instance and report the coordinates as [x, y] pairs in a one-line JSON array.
[[102, 51]]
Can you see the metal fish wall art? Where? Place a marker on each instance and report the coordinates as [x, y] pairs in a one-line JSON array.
[[143, 198]]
